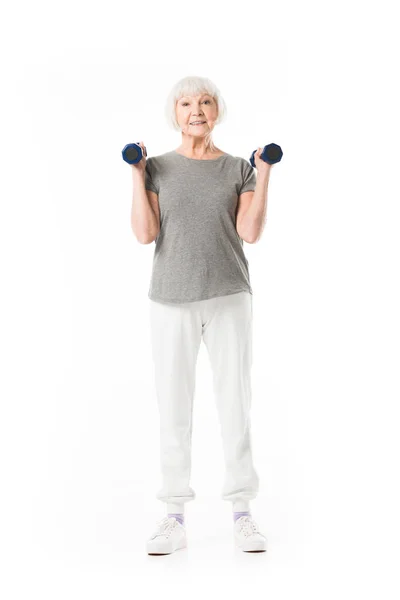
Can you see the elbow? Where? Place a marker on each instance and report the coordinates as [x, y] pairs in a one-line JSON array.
[[246, 239], [152, 238], [251, 238], [146, 239]]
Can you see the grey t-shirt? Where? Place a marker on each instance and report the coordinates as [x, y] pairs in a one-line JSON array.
[[198, 253]]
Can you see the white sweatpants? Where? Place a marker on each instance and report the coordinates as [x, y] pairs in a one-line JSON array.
[[225, 323]]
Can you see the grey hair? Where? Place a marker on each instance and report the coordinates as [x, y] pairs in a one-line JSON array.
[[193, 86]]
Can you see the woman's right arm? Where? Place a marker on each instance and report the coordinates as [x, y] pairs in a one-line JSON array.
[[145, 218]]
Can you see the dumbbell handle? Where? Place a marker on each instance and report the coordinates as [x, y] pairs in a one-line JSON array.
[[132, 153], [271, 154]]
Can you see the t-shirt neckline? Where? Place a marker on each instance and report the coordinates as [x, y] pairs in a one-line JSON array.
[[200, 159]]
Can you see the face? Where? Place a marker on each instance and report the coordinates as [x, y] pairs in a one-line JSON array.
[[196, 108]]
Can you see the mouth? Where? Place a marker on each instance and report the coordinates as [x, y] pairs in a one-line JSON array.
[[198, 123]]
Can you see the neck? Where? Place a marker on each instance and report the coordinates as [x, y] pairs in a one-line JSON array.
[[198, 145]]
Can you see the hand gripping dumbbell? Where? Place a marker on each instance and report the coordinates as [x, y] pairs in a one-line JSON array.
[[132, 153], [271, 154]]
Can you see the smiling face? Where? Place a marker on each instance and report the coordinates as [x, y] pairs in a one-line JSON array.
[[190, 109]]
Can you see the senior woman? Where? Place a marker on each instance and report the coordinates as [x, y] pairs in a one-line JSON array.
[[196, 203]]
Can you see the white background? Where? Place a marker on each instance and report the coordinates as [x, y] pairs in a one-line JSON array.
[[79, 420]]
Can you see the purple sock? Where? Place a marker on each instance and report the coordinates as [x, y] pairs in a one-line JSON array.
[[178, 516], [237, 515]]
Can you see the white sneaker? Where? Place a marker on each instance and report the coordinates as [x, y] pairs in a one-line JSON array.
[[247, 535], [169, 536]]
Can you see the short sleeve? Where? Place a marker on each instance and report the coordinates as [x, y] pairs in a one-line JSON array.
[[248, 178], [149, 177]]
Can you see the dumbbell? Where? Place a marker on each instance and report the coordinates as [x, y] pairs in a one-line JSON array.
[[271, 154], [132, 153]]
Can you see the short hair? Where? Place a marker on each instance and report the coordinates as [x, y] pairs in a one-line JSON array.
[[193, 86]]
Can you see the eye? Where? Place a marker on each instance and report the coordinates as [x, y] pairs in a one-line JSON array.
[[184, 103]]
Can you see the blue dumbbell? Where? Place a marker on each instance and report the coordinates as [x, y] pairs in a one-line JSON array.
[[132, 153], [272, 153]]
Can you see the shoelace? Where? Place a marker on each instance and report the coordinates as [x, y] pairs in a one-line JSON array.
[[165, 526], [248, 526]]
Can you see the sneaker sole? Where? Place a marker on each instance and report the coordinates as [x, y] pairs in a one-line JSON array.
[[256, 547], [155, 553]]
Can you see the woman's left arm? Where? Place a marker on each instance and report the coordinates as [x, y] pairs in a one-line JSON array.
[[252, 211]]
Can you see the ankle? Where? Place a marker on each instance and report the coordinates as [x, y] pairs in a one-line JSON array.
[[237, 515], [178, 516]]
